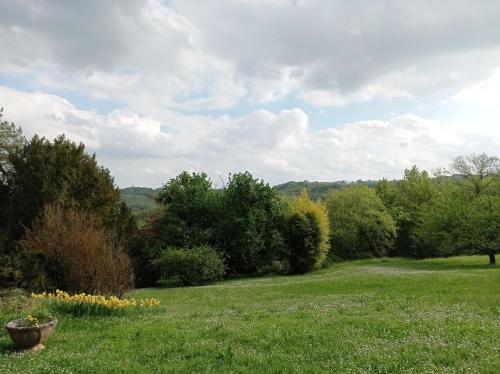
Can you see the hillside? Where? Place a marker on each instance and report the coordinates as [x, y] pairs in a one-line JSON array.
[[316, 189], [141, 200], [371, 316]]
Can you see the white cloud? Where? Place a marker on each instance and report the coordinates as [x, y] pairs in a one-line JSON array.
[[275, 146], [217, 54], [167, 63]]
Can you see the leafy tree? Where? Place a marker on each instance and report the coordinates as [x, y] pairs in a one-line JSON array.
[[249, 230], [360, 226], [465, 218], [480, 170], [405, 201], [458, 223], [41, 173], [11, 139], [307, 234], [190, 211]]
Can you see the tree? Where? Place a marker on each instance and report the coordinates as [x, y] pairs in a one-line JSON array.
[[11, 139], [190, 211], [249, 230], [480, 170], [360, 226], [458, 223], [405, 200], [466, 218], [307, 234], [44, 172]]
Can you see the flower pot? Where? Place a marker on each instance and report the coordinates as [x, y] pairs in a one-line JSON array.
[[30, 338]]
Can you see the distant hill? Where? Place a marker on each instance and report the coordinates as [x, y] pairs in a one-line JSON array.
[[316, 189], [142, 200]]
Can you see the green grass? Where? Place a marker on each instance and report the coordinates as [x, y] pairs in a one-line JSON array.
[[377, 316]]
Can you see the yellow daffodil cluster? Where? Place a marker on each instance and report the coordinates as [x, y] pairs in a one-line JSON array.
[[111, 302], [33, 321]]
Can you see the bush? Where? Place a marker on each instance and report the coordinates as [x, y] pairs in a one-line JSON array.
[[81, 255], [360, 226], [192, 266], [21, 267], [307, 234]]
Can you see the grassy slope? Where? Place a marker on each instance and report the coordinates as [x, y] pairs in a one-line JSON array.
[[140, 200], [380, 316]]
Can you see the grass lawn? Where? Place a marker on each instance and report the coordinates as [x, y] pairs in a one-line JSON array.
[[374, 316]]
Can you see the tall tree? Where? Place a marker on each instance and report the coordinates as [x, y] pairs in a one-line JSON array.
[[11, 139], [43, 172], [249, 232], [405, 200], [481, 171], [360, 226], [190, 211], [307, 233], [460, 223]]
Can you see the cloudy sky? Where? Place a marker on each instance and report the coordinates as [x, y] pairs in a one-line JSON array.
[[287, 89]]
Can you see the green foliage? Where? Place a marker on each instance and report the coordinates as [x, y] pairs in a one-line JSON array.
[[40, 173], [20, 267], [11, 139], [61, 171], [78, 309], [192, 266], [360, 226], [406, 200], [140, 200], [460, 223], [316, 189], [142, 255], [480, 171], [189, 210], [250, 222], [307, 234]]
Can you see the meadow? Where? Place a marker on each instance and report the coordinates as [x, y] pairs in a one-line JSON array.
[[367, 316]]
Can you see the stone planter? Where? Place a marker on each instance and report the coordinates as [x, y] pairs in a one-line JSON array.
[[30, 338]]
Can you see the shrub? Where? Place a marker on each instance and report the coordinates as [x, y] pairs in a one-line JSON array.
[[21, 267], [82, 256], [307, 234], [192, 266], [360, 226]]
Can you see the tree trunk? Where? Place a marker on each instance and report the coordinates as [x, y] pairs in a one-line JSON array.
[[492, 257]]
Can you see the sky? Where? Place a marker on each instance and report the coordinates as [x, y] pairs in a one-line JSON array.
[[286, 89]]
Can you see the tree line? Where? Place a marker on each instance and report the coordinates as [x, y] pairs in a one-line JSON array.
[[63, 224]]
